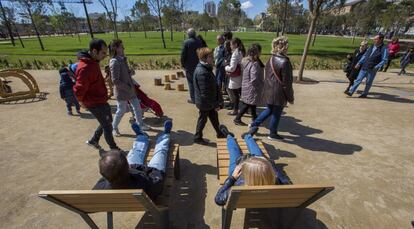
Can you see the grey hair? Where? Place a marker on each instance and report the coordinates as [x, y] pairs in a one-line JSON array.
[[191, 32]]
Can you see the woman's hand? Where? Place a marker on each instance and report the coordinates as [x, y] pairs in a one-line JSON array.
[[237, 172]]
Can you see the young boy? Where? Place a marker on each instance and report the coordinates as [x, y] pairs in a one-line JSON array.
[[67, 80]]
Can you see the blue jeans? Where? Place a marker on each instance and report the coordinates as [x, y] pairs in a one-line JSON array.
[[121, 108], [370, 74], [271, 110], [235, 152], [71, 100], [220, 74], [189, 75], [138, 152]]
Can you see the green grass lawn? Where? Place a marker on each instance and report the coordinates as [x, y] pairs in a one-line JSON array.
[[328, 52]]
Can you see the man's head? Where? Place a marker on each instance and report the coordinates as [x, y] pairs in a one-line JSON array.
[[363, 46], [114, 167], [191, 33], [220, 39], [228, 35], [378, 39], [98, 49]]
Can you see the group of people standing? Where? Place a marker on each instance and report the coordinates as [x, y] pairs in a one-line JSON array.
[[367, 61], [242, 76]]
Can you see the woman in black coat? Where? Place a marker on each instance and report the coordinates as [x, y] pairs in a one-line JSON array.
[[352, 74], [207, 94]]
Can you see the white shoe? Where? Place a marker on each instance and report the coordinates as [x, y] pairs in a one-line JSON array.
[[145, 127], [116, 133]]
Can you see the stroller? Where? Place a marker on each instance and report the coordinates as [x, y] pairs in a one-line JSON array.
[[147, 104]]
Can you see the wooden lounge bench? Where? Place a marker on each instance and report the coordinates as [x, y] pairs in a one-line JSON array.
[[85, 202], [259, 197]]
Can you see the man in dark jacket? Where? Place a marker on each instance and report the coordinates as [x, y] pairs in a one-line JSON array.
[[120, 172], [189, 59], [207, 95], [373, 59], [91, 92]]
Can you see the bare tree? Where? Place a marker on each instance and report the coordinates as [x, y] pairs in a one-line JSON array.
[[111, 14], [140, 11], [7, 23], [156, 6], [87, 18], [34, 7], [315, 8]]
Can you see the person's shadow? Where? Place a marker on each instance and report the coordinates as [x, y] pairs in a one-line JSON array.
[[187, 200], [301, 137]]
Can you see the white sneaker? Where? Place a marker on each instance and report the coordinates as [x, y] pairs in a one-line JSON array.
[[116, 133], [145, 127]]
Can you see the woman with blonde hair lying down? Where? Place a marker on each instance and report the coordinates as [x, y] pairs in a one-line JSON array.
[[252, 169]]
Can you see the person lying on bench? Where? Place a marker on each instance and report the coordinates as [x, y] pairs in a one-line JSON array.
[[250, 169], [120, 172]]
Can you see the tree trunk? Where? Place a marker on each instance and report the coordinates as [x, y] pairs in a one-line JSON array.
[[7, 22], [18, 36], [34, 26], [160, 22], [171, 32], [285, 17], [143, 27], [87, 18], [205, 34], [306, 48], [314, 38], [115, 28], [353, 37]]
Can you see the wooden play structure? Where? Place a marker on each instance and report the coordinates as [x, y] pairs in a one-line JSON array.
[[276, 197], [6, 92], [85, 202], [180, 75]]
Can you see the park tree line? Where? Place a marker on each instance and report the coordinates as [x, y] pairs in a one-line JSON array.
[[281, 16]]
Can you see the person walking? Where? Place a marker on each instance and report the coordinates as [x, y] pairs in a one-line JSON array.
[[91, 92], [352, 74], [124, 90], [393, 49], [207, 95], [233, 71], [67, 81], [406, 59], [251, 84], [189, 59], [278, 90], [373, 59], [219, 55]]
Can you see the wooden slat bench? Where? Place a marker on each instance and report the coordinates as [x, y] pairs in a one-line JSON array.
[[259, 197], [85, 202]]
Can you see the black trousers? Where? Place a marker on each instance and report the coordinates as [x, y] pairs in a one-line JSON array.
[[237, 94], [104, 116], [244, 107], [202, 120], [351, 82]]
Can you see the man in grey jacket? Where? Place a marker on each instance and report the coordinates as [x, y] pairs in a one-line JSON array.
[[189, 59]]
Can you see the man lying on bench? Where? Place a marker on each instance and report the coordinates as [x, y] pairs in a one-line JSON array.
[[255, 168], [120, 172]]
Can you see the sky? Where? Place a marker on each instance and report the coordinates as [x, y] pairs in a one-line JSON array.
[[251, 7]]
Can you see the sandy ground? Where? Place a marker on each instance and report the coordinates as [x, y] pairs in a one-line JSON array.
[[364, 147]]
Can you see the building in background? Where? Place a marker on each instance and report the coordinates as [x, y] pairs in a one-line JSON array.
[[210, 8]]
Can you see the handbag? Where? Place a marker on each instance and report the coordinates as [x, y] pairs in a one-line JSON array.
[[236, 72]]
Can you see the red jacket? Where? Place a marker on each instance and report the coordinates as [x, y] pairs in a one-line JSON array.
[[90, 88], [393, 48]]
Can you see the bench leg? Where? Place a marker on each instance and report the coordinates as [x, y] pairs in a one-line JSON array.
[[110, 220], [226, 216], [177, 172], [89, 221], [162, 218]]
